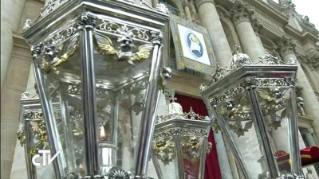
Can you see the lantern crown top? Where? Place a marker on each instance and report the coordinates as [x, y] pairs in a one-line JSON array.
[[175, 111], [174, 107]]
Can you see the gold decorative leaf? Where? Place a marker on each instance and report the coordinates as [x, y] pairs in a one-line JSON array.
[[143, 53], [71, 46], [105, 45]]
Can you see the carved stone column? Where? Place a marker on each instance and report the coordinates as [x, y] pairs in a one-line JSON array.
[[310, 68], [154, 3], [313, 62], [287, 51], [10, 21], [308, 134], [19, 169], [194, 13], [246, 24], [209, 18], [186, 5]]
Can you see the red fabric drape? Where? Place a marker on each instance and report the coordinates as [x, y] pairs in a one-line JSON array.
[[212, 170]]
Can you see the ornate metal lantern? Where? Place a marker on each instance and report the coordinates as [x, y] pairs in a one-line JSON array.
[[250, 103], [33, 135], [103, 60], [180, 143]]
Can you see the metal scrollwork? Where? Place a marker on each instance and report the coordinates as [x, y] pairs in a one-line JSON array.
[[162, 8], [270, 59], [291, 176], [118, 28], [21, 137], [229, 94], [191, 147], [27, 24], [269, 82], [236, 114], [135, 88], [239, 59], [274, 100], [193, 116], [219, 74], [164, 150], [116, 173]]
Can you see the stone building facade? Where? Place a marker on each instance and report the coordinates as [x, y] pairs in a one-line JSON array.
[[255, 25]]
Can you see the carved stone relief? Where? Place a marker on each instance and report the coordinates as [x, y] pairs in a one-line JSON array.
[[286, 46], [242, 12], [288, 8]]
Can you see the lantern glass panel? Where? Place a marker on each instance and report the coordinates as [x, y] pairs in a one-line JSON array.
[[35, 130], [164, 154], [33, 135], [120, 89], [274, 104], [237, 114], [192, 155]]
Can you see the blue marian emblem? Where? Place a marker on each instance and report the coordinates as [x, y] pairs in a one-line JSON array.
[[194, 45]]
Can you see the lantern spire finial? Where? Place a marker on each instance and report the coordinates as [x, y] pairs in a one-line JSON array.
[[174, 107]]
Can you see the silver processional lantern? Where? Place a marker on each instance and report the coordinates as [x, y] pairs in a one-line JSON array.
[[33, 136], [252, 102], [102, 63], [180, 143]]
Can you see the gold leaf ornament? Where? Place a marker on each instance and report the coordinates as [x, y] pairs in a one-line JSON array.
[[143, 53], [70, 50], [105, 45], [62, 59]]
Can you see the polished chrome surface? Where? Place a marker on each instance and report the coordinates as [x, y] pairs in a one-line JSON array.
[[48, 110], [88, 96], [262, 132], [293, 131], [31, 169], [226, 131], [149, 115]]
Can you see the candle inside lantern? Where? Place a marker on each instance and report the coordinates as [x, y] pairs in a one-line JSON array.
[[102, 133], [80, 166]]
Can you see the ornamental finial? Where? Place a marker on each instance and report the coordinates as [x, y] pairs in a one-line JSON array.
[[174, 107]]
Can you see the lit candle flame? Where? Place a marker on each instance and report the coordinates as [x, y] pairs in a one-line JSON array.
[[80, 166], [102, 133]]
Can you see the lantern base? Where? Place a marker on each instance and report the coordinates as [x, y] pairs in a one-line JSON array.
[[115, 173]]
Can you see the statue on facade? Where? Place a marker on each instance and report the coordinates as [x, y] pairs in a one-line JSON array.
[[300, 106]]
